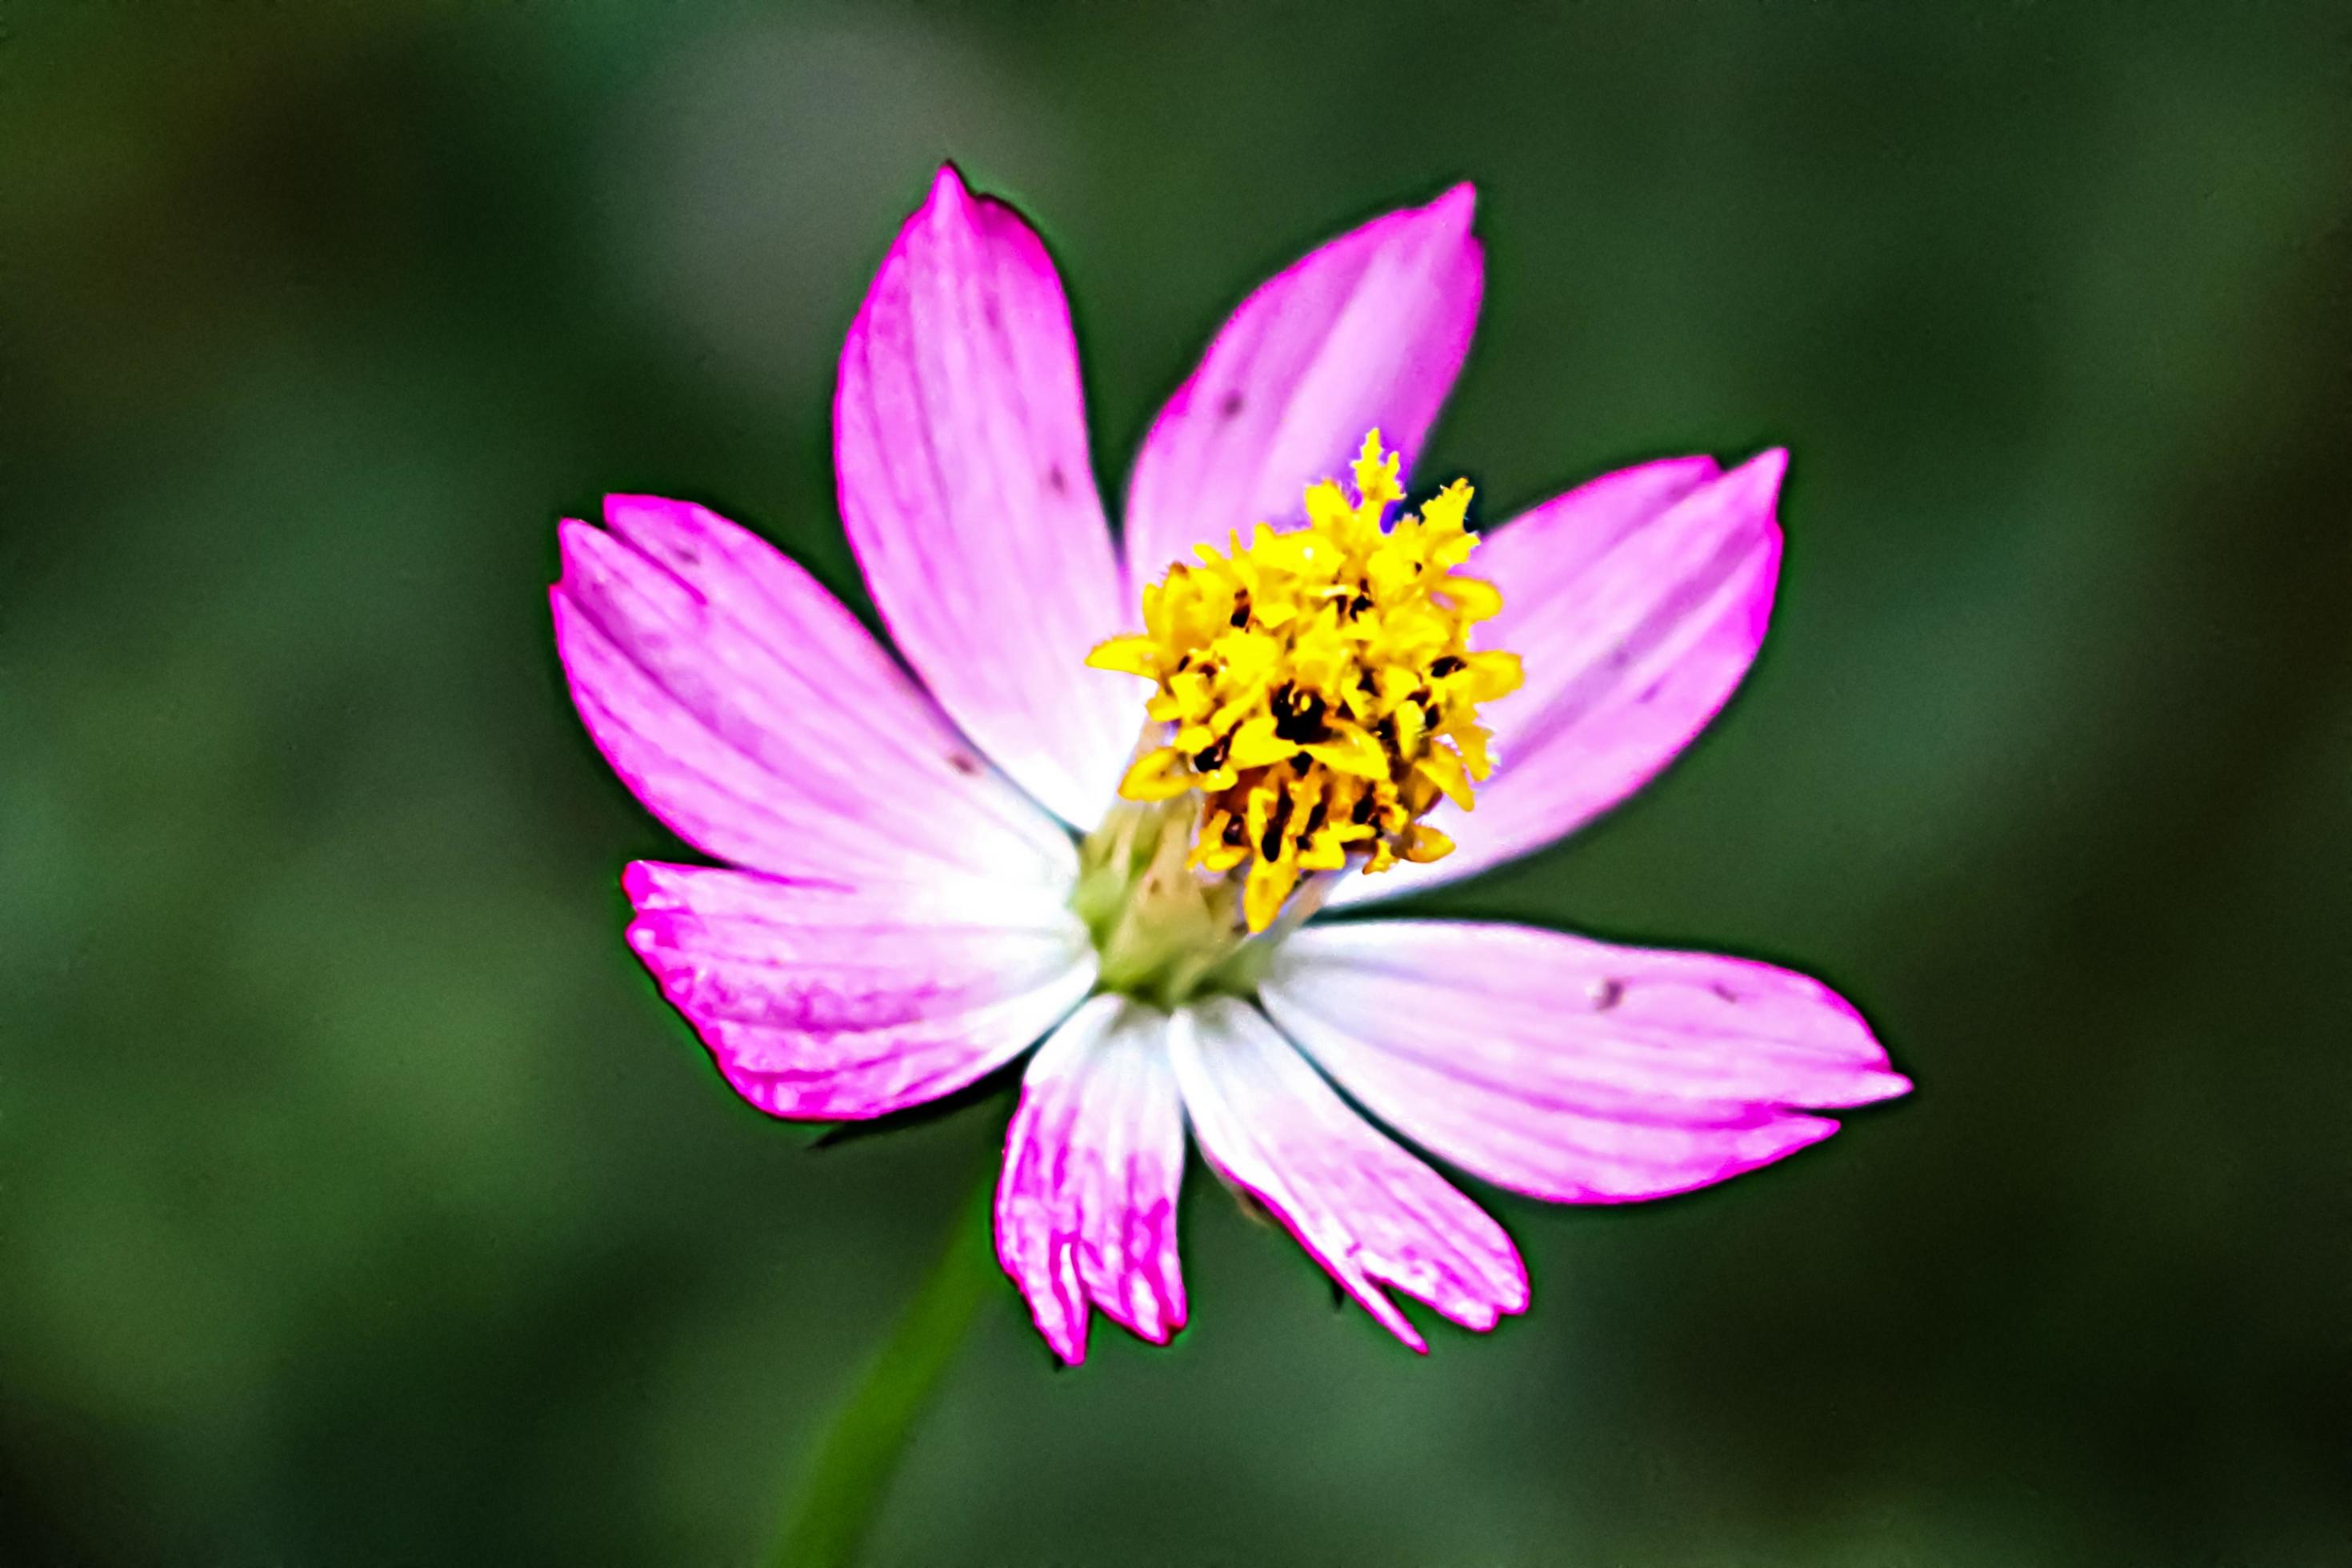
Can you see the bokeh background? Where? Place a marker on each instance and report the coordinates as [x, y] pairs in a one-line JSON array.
[[360, 1203]]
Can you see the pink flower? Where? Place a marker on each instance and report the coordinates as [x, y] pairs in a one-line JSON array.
[[908, 906]]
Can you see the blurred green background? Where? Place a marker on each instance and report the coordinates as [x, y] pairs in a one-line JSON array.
[[360, 1201]]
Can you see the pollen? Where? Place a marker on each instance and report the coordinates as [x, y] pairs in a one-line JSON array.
[[1316, 688]]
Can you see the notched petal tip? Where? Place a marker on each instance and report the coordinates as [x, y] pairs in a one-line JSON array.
[[556, 591], [575, 538], [631, 516], [1756, 483], [1877, 1088], [1456, 205], [949, 200], [619, 503], [1758, 479]]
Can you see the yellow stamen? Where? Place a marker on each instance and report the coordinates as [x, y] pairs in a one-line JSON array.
[[1318, 686]]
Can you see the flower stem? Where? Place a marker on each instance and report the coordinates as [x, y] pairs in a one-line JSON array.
[[859, 1450]]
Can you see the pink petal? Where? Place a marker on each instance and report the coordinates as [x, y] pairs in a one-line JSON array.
[[959, 437], [1369, 1211], [1086, 1211], [844, 1001], [1369, 330], [1572, 1070], [1637, 603], [752, 713]]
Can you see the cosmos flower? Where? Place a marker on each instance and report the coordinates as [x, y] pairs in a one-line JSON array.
[[1119, 791]]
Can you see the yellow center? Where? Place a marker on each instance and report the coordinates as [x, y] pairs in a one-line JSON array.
[[1317, 688]]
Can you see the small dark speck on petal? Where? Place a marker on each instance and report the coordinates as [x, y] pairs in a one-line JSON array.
[[1650, 692], [1229, 406], [1056, 481], [1726, 992], [964, 764], [995, 317], [1607, 995]]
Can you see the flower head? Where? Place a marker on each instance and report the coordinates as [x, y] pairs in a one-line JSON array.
[[1318, 687], [1123, 841]]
